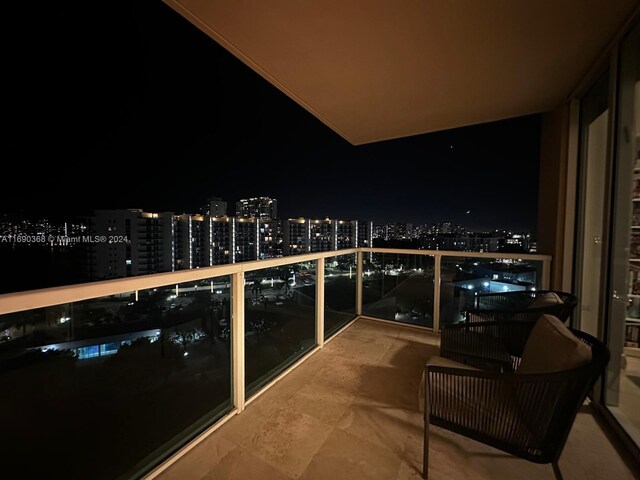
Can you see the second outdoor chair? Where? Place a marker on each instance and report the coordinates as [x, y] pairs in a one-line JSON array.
[[521, 305]]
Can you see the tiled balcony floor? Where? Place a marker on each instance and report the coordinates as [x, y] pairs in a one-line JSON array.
[[350, 412]]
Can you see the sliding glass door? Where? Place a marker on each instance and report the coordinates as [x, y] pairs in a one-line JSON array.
[[594, 127], [622, 379]]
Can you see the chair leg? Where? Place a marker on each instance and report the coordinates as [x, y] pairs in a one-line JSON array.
[[425, 446], [556, 470]]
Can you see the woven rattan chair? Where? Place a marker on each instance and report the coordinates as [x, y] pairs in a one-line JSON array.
[[528, 415], [521, 305]]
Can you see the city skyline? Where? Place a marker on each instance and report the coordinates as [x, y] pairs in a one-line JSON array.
[[158, 116], [115, 243], [79, 221], [231, 207]]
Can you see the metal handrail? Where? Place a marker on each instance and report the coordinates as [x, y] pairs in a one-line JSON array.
[[46, 297]]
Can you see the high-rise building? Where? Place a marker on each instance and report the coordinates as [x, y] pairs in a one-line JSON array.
[[258, 207], [419, 231], [464, 242], [191, 240], [445, 228], [295, 236], [303, 235], [199, 241], [141, 243], [380, 232], [344, 234], [216, 207], [270, 239], [515, 242], [321, 235], [365, 232], [480, 242], [220, 239], [160, 242], [182, 234], [245, 239], [399, 231]]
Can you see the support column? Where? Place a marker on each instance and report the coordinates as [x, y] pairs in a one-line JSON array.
[[237, 339], [320, 302]]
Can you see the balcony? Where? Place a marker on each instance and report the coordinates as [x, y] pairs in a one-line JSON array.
[[130, 374], [350, 412]]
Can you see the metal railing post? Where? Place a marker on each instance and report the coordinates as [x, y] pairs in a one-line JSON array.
[[359, 283], [237, 339], [436, 292], [320, 302]]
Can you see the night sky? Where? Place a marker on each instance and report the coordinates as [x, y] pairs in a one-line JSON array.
[[158, 116]]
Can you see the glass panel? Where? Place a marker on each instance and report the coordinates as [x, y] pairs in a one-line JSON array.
[[398, 287], [593, 173], [463, 278], [280, 320], [622, 393], [339, 292], [106, 388]]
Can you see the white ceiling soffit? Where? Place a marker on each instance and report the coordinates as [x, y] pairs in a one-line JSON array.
[[378, 69]]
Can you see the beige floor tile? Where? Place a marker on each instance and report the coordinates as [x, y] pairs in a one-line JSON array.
[[418, 335], [383, 386], [241, 465], [362, 351], [452, 456], [274, 398], [341, 376], [347, 457], [373, 327], [322, 400], [587, 456], [406, 472], [411, 457], [408, 357], [385, 426], [287, 440], [627, 411], [201, 459], [586, 448], [384, 335], [243, 429], [282, 390]]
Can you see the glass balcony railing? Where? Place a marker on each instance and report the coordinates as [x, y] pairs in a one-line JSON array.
[[280, 320], [117, 381], [340, 285], [463, 278], [399, 287], [107, 380]]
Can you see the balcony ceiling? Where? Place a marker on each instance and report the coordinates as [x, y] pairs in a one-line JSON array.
[[378, 69]]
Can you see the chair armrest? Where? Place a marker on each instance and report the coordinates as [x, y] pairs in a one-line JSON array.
[[505, 410], [505, 315], [519, 306], [493, 346], [503, 300]]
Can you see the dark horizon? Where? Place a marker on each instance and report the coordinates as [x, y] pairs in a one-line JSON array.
[[148, 112]]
